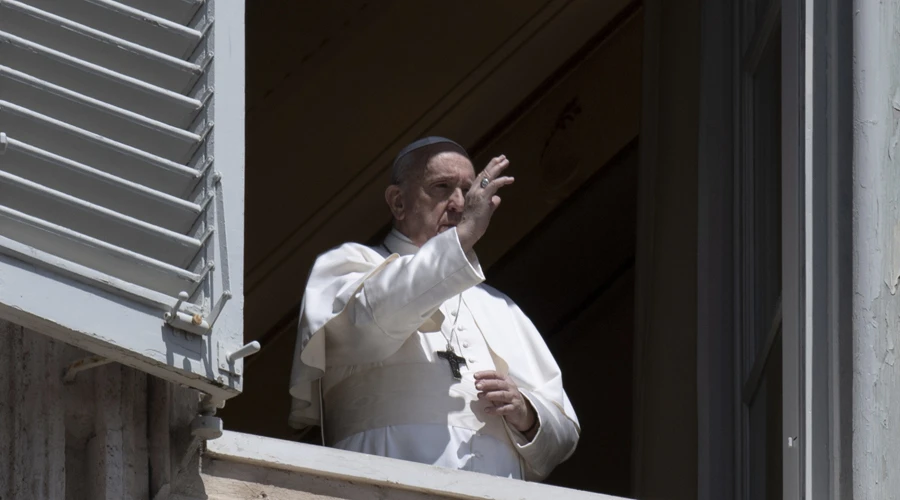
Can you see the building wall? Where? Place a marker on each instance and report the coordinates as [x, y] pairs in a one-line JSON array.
[[117, 433], [875, 406], [112, 433]]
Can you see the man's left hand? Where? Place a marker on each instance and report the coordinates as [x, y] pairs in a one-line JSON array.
[[508, 401]]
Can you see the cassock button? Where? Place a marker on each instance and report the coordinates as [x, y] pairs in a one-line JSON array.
[[462, 328], [471, 361], [465, 344]]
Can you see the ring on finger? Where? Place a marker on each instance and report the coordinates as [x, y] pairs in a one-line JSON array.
[[484, 182]]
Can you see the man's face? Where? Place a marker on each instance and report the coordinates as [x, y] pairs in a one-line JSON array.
[[433, 198]]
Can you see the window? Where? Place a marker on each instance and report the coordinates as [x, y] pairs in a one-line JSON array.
[[759, 250]]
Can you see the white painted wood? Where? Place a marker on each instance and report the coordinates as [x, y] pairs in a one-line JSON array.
[[179, 11], [60, 137], [100, 82], [84, 42], [128, 23], [386, 473], [98, 187], [20, 228], [92, 276], [144, 217], [97, 116], [875, 410], [96, 221]]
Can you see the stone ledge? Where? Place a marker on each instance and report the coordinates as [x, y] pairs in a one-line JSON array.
[[247, 463]]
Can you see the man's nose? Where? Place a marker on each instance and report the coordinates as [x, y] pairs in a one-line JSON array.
[[457, 200]]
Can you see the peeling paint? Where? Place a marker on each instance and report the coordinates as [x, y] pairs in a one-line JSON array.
[[876, 250], [894, 272]]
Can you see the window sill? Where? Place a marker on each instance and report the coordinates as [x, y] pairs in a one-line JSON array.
[[378, 472]]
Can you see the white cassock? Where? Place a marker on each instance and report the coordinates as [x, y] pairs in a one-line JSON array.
[[371, 323]]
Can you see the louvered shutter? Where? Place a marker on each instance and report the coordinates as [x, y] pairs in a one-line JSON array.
[[121, 180]]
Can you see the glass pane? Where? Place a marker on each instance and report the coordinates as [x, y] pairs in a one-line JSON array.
[[760, 11], [765, 440], [753, 13], [766, 174]]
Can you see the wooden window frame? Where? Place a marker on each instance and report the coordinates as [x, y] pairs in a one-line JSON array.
[[816, 259]]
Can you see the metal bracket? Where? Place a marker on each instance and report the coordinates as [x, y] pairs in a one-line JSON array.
[[195, 323], [228, 360], [190, 323], [206, 425], [83, 364]]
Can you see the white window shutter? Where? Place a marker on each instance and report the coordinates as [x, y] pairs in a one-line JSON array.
[[121, 180]]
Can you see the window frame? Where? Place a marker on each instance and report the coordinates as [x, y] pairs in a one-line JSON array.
[[816, 152]]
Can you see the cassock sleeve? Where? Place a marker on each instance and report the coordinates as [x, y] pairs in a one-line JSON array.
[[382, 306], [554, 442], [540, 381]]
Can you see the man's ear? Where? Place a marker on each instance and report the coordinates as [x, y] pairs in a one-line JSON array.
[[393, 195]]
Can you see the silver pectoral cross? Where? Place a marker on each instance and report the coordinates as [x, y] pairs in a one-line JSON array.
[[454, 360]]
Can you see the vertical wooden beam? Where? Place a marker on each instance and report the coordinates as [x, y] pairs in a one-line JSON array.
[[716, 415], [666, 262]]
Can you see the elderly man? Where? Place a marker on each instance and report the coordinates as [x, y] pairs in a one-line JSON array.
[[403, 352]]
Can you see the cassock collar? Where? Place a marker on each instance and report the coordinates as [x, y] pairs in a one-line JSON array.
[[397, 242]]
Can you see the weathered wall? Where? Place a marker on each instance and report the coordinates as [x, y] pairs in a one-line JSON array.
[[876, 250], [112, 433], [115, 433]]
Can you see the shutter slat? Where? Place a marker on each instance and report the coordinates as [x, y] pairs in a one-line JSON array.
[[179, 11], [97, 46], [121, 204], [98, 187], [99, 82], [89, 276], [97, 116], [101, 133], [128, 23], [96, 254], [96, 221], [95, 150]]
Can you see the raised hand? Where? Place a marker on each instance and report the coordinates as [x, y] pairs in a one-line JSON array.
[[481, 201]]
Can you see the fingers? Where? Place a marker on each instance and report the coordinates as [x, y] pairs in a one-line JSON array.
[[508, 409], [495, 167], [489, 385], [496, 397], [496, 184], [487, 374]]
